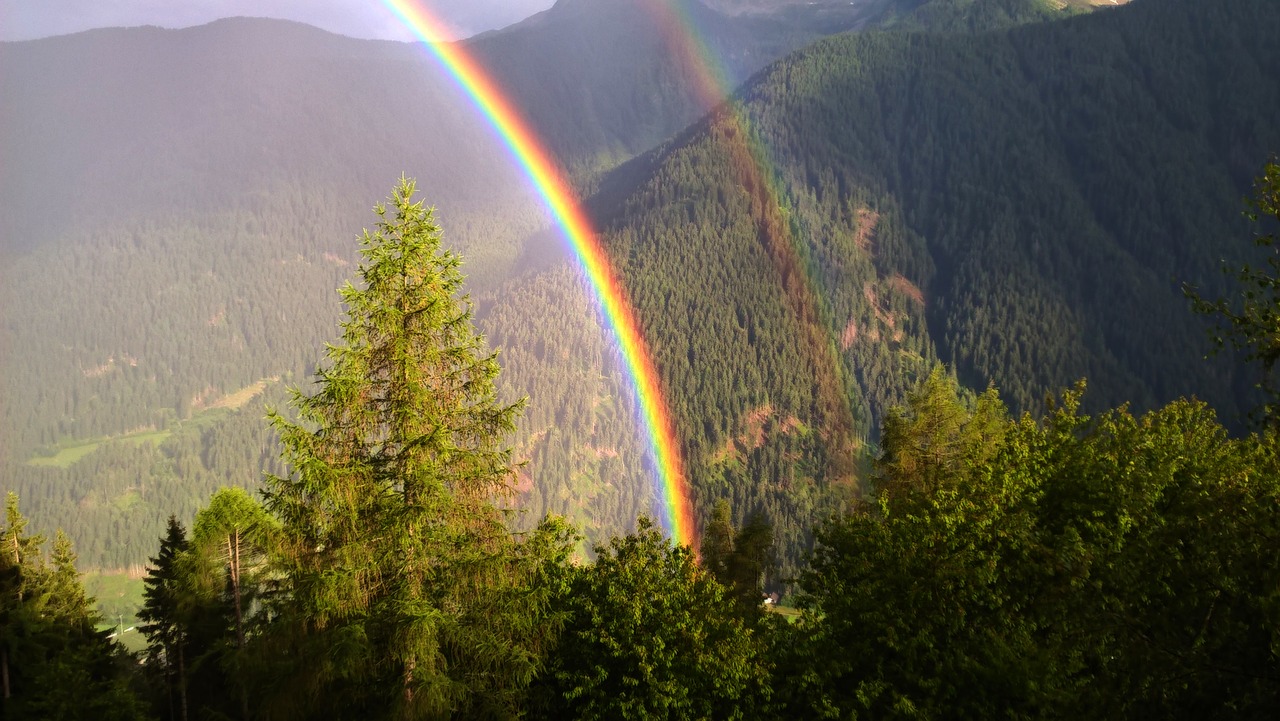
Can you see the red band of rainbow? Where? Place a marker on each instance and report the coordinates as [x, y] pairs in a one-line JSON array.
[[673, 489]]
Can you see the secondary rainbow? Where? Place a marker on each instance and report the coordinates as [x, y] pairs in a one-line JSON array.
[[755, 168], [672, 485]]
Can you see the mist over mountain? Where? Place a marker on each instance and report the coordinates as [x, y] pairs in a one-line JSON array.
[[353, 18]]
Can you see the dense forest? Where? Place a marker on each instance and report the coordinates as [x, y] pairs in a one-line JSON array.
[[147, 326], [1003, 201], [215, 197], [987, 185], [1075, 565]]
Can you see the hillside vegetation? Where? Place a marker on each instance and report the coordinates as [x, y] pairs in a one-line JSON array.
[[1109, 566], [176, 209], [1022, 202]]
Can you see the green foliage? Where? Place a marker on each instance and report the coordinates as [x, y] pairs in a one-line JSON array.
[[398, 569], [1252, 322], [164, 623], [54, 663], [1003, 201], [739, 560], [1079, 567], [1039, 178], [650, 635], [936, 440]]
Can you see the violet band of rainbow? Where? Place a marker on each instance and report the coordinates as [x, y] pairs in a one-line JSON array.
[[527, 150]]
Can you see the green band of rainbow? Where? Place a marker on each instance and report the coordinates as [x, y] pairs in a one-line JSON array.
[[673, 490]]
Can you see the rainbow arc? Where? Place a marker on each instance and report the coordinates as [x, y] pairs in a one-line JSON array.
[[530, 155]]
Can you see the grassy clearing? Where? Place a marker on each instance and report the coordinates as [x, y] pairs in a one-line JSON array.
[[239, 399], [118, 595], [788, 613], [71, 452], [66, 455]]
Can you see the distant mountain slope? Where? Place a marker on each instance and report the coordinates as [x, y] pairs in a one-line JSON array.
[[177, 207], [149, 122], [603, 80], [1023, 204], [1067, 177]]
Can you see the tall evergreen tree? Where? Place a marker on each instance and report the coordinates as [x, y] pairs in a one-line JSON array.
[[717, 542], [20, 572], [161, 616], [406, 595], [232, 532], [54, 663], [226, 565], [739, 559]]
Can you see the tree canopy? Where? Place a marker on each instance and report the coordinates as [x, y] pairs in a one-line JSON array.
[[399, 569]]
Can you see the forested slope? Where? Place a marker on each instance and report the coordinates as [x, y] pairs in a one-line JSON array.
[[177, 207], [1067, 177], [1023, 204], [939, 198]]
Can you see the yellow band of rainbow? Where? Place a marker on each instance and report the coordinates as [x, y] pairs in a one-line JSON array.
[[673, 489]]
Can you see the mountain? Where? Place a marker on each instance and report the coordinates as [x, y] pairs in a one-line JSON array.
[[1023, 204], [603, 80], [177, 206], [219, 175]]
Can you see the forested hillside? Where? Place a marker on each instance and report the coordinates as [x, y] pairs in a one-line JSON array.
[[1067, 178], [1023, 205], [1112, 566], [177, 207]]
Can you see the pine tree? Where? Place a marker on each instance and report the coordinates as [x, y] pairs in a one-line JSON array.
[[227, 561], [162, 617], [21, 574], [739, 559], [717, 542], [406, 595], [54, 663]]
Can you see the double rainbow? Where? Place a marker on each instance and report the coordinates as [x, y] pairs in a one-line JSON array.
[[533, 159]]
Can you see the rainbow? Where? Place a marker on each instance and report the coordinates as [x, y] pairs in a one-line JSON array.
[[751, 160], [533, 159]]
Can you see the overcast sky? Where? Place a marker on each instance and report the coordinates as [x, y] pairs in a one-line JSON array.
[[27, 19]]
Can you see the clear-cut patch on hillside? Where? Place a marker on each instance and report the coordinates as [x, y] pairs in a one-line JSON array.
[[754, 429]]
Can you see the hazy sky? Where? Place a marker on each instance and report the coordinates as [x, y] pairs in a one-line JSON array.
[[26, 19]]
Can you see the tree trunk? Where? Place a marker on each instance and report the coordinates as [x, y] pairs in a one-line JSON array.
[[233, 541], [168, 680], [408, 682], [182, 679], [4, 671]]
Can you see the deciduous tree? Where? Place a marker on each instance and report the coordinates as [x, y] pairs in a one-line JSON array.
[[651, 635]]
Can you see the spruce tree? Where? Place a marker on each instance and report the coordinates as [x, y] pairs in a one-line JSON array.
[[54, 663], [405, 596], [162, 618]]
